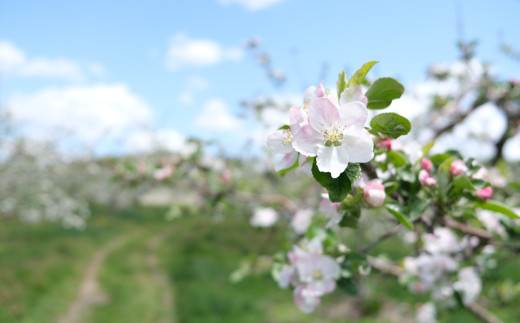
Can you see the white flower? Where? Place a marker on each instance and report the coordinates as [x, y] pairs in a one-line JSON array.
[[426, 313], [330, 210], [301, 220], [335, 134], [469, 285], [264, 218]]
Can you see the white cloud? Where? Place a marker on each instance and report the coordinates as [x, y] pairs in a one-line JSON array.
[[149, 141], [186, 52], [215, 116], [193, 85], [252, 5], [88, 114], [14, 62]]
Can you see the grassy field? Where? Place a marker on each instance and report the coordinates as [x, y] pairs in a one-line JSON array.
[[158, 271]]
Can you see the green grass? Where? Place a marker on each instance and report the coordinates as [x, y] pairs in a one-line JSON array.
[[42, 265]]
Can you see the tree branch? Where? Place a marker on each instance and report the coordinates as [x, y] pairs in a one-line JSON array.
[[483, 234], [380, 239]]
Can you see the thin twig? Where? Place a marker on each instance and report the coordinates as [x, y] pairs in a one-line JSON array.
[[380, 239]]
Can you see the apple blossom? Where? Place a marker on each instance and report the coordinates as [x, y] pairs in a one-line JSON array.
[[330, 210], [387, 143], [374, 194], [426, 313], [311, 272], [485, 193], [336, 135], [281, 141], [163, 173], [458, 167], [264, 217], [426, 164], [469, 285], [302, 220]]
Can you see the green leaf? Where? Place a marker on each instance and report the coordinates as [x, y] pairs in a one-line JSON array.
[[397, 212], [347, 286], [391, 124], [397, 158], [382, 92], [360, 74], [439, 158], [351, 217], [341, 85], [284, 127], [426, 148], [462, 182], [338, 188], [496, 206]]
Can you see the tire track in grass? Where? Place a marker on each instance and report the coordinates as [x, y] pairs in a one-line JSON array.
[[90, 293], [159, 276]]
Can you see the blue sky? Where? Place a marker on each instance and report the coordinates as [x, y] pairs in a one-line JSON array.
[[181, 66]]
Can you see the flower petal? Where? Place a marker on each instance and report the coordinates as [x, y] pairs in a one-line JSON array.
[[333, 160], [275, 142], [322, 113], [287, 161], [360, 149], [353, 114], [307, 140], [353, 93]]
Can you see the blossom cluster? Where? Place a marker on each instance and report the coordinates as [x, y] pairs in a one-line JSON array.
[[311, 273], [325, 127]]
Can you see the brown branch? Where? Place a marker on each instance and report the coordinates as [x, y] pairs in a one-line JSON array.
[[385, 266], [380, 239], [483, 234], [458, 119], [483, 314]]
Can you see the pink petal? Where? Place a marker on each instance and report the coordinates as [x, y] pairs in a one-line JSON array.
[[287, 161], [353, 114], [275, 142], [307, 140], [322, 113]]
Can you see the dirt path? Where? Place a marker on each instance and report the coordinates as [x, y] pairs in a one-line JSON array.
[[90, 293], [160, 278]]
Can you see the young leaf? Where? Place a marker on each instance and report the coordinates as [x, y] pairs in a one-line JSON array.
[[382, 92], [391, 124], [341, 85], [426, 148], [496, 206], [360, 74], [396, 211]]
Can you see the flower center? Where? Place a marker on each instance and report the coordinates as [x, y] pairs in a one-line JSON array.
[[333, 135], [287, 139], [317, 275]]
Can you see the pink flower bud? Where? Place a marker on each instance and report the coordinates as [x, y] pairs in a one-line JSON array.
[[485, 193], [426, 164], [374, 194], [426, 179], [385, 143], [226, 176], [320, 91], [458, 168]]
